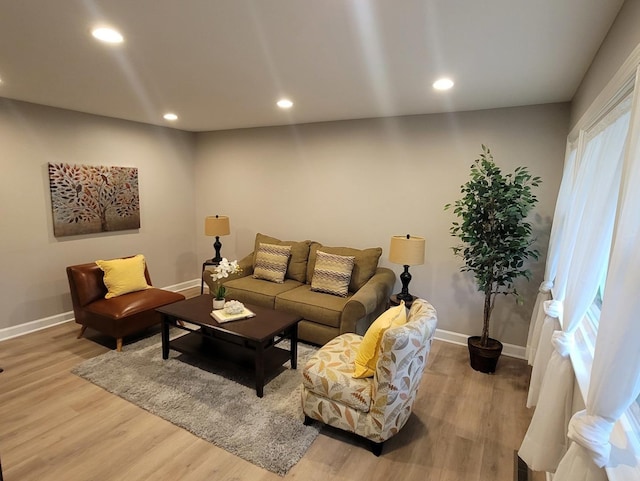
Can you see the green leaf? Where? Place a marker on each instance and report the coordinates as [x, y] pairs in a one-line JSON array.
[[492, 228]]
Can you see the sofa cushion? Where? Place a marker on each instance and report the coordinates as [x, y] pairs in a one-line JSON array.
[[369, 349], [332, 273], [313, 306], [133, 303], [271, 262], [364, 265], [122, 276], [297, 268], [328, 373], [257, 291]]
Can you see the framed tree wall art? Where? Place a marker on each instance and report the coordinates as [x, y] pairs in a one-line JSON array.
[[86, 199]]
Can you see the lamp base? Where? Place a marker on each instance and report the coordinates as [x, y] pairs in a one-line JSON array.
[[405, 297], [405, 278], [394, 301], [217, 245]]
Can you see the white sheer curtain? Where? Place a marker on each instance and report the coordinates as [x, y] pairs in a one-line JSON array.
[[544, 319], [553, 254], [615, 375], [584, 250], [578, 185], [552, 311]]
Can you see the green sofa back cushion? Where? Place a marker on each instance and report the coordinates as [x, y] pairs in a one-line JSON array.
[[297, 268], [364, 266]]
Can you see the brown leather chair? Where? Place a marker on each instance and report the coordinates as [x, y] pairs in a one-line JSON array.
[[119, 316]]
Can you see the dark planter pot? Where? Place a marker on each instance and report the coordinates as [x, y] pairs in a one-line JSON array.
[[484, 359]]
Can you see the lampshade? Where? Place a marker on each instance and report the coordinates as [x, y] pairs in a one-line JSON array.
[[216, 225], [407, 250]]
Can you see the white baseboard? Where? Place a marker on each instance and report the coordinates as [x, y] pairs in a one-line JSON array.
[[39, 324], [183, 286], [511, 350], [33, 326]]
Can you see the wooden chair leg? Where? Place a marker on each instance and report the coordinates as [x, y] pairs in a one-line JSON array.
[[82, 329], [119, 344], [376, 448]]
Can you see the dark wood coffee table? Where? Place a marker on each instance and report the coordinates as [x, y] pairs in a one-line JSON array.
[[249, 342]]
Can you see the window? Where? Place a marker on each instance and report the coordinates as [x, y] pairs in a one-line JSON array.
[[610, 153], [595, 278]]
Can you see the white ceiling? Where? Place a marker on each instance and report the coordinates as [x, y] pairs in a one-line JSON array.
[[222, 64]]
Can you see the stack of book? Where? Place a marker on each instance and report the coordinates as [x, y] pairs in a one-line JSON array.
[[221, 316]]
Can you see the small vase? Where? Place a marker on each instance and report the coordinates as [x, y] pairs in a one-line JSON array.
[[218, 303]]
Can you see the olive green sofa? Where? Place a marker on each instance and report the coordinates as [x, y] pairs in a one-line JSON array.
[[324, 316]]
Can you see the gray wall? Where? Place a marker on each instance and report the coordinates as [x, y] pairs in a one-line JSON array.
[[622, 39], [33, 284], [357, 183], [353, 183]]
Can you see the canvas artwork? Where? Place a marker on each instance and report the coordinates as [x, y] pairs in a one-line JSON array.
[[86, 199]]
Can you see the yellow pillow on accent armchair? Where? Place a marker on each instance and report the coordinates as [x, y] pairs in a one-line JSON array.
[[367, 355], [122, 276]]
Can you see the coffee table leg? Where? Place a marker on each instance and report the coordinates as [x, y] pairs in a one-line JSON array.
[[165, 336], [294, 346], [260, 370]]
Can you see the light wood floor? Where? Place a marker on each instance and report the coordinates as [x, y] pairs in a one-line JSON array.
[[55, 426]]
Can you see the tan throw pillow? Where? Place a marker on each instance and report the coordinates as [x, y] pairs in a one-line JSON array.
[[271, 262], [297, 268], [364, 266], [332, 274]]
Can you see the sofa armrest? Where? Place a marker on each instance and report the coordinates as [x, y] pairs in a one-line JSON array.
[[246, 269], [370, 299]]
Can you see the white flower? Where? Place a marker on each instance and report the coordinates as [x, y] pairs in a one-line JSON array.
[[221, 271], [225, 268]]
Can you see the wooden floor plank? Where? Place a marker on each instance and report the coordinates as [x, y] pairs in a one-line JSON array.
[[55, 425]]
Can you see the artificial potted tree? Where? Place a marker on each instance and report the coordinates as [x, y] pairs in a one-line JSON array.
[[495, 241]]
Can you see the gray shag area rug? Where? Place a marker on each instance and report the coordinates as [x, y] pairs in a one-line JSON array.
[[218, 404]]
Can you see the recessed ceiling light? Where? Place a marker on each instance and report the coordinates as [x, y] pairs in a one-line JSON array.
[[170, 116], [443, 84], [108, 35], [284, 103]]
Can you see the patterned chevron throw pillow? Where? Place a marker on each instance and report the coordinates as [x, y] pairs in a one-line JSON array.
[[271, 262], [332, 274]]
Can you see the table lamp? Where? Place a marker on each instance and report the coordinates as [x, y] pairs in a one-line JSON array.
[[408, 251], [216, 226]]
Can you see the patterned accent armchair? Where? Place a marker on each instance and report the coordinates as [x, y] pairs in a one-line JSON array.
[[375, 408]]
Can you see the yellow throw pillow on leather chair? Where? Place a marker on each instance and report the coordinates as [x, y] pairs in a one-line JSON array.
[[122, 276]]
